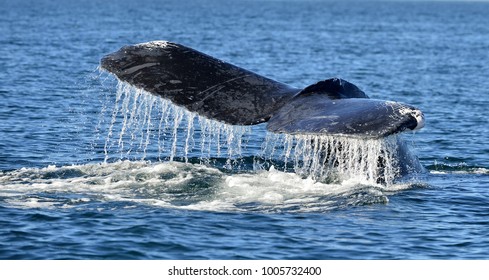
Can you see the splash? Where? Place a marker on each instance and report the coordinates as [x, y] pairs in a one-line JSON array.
[[139, 119], [337, 158], [142, 124], [178, 185]]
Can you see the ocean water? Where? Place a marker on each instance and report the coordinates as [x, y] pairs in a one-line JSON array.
[[92, 169]]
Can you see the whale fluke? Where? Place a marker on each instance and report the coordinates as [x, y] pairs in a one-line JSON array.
[[200, 83], [366, 118], [224, 92]]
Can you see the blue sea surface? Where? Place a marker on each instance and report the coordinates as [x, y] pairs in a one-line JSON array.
[[71, 187]]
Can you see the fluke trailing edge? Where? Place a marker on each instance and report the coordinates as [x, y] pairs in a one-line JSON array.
[[224, 92]]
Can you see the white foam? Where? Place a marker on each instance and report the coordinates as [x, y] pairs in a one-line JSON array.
[[31, 203], [180, 185], [464, 170], [281, 191]]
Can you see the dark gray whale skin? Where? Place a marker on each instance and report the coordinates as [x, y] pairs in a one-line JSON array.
[[198, 82], [227, 93], [221, 91]]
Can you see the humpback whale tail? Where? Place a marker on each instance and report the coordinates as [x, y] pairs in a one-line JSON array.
[[224, 92]]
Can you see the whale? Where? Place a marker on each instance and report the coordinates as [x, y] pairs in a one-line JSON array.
[[227, 93]]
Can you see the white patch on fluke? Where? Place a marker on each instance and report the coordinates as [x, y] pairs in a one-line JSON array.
[[417, 114], [154, 44]]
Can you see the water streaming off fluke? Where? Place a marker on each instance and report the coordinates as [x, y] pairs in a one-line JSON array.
[[141, 122]]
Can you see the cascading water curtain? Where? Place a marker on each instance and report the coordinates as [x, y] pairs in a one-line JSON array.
[[142, 123], [326, 158]]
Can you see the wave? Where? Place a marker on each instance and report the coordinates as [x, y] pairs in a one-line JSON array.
[[190, 186], [460, 168]]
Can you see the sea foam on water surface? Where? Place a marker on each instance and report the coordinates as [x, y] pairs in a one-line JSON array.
[[178, 185]]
